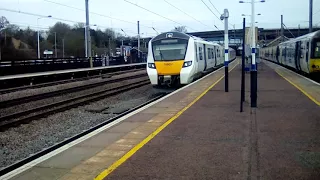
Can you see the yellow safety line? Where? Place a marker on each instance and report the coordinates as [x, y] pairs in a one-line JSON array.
[[116, 164], [303, 91]]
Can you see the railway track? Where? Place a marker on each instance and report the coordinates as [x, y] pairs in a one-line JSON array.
[[45, 151], [107, 75], [21, 117], [16, 101]]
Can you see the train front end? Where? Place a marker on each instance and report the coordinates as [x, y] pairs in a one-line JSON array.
[[314, 64], [168, 59]]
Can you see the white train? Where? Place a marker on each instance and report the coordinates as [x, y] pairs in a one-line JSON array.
[[301, 54], [178, 58]]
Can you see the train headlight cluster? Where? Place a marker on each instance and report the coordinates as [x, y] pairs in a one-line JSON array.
[[187, 63], [151, 65]]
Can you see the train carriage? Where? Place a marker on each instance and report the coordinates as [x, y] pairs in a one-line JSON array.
[[302, 53], [178, 58]]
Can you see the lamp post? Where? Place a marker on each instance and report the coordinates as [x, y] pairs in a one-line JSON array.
[[253, 55], [125, 34], [63, 48], [38, 34], [55, 44], [225, 17]]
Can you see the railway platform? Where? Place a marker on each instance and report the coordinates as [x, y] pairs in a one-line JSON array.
[[198, 132], [47, 76]]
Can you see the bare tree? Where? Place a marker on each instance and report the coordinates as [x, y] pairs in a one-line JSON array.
[[182, 29], [3, 23]]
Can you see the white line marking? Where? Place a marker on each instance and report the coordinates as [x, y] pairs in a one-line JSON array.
[[93, 133]]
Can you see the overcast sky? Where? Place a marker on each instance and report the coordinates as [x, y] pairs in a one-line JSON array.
[[295, 12]]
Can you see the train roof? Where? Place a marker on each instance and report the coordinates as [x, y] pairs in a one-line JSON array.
[[179, 35], [315, 34]]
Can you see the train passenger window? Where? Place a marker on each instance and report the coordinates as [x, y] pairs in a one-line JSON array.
[[212, 53], [200, 53], [196, 52], [307, 52], [209, 53]]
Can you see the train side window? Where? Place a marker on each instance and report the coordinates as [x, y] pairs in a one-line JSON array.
[[200, 53], [212, 53], [209, 53], [196, 53], [307, 52]]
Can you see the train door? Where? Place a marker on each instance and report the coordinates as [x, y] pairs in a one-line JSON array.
[[297, 57], [308, 55], [201, 62], [277, 54], [205, 56], [196, 55], [304, 56], [215, 55]]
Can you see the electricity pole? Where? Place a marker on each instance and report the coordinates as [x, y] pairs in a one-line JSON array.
[[88, 38], [138, 39], [253, 55], [225, 17], [55, 44], [310, 15], [282, 35], [63, 48]]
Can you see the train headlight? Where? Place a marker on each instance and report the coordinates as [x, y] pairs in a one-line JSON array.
[[187, 63], [151, 65]]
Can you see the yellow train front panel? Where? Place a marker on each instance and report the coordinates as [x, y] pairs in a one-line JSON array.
[[314, 65], [169, 67]]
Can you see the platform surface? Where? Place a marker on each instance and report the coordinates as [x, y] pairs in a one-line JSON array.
[[199, 133], [213, 140]]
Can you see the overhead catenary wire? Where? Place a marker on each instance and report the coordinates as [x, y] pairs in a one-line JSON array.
[[44, 16], [38, 15], [157, 14], [214, 7], [288, 30], [186, 13], [211, 11], [218, 10], [316, 12], [26, 25], [95, 13]]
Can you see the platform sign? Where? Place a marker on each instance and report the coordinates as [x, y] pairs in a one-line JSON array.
[[47, 52], [248, 35]]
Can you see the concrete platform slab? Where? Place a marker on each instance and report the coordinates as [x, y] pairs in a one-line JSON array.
[[42, 173], [70, 157], [141, 117], [124, 127], [102, 140], [77, 176]]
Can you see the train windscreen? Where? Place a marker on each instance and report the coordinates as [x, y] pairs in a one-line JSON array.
[[316, 49], [169, 49]]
